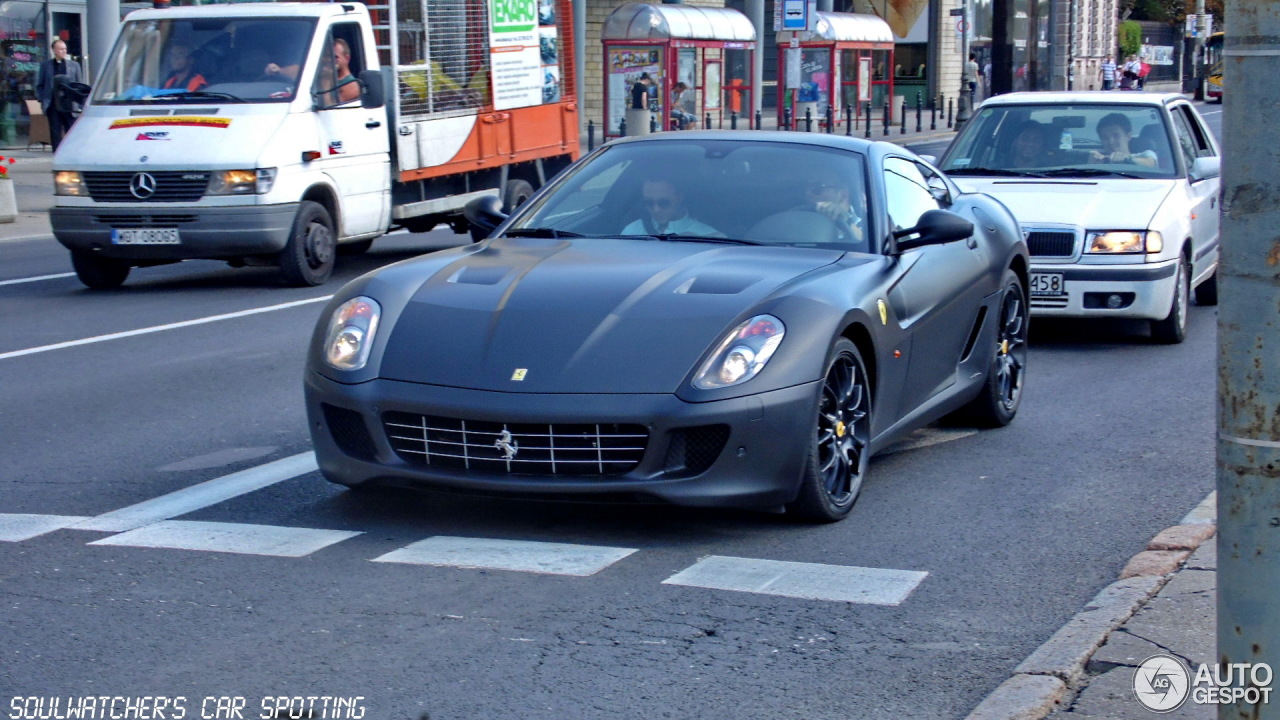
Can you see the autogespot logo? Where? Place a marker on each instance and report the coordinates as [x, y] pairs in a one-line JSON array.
[[1162, 683]]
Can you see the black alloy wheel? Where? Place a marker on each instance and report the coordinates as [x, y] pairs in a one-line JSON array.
[[1173, 329], [997, 403], [841, 441], [308, 257]]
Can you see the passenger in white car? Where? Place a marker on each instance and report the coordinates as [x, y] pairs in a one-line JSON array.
[[1114, 132]]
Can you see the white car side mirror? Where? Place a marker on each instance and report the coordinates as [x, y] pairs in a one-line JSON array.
[[1204, 168]]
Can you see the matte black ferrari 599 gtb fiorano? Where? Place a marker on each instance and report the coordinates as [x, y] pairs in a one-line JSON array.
[[736, 319]]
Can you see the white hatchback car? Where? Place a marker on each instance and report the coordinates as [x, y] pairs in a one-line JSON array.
[[1117, 196]]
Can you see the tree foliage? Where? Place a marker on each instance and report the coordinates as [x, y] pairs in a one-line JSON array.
[[1130, 38]]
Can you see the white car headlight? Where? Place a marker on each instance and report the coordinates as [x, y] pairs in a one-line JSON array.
[[1125, 242], [350, 334], [742, 353], [69, 182], [242, 182]]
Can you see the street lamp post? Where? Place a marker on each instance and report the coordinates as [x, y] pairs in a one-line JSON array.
[[962, 103]]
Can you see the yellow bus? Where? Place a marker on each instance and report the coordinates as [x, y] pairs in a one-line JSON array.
[[1213, 60]]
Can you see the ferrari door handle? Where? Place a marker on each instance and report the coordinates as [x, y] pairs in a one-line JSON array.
[[373, 124]]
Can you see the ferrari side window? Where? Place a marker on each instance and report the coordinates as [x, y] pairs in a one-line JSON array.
[[907, 193]]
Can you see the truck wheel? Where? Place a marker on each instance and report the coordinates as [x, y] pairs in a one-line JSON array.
[[516, 193], [308, 257], [98, 272]]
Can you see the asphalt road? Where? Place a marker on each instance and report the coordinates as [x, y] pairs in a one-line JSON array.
[[1016, 529]]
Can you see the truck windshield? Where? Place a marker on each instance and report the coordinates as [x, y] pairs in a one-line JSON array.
[[205, 60]]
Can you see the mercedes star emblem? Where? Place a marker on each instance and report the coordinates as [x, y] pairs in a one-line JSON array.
[[142, 185]]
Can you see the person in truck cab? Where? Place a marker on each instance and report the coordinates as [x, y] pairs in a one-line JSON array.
[[182, 73], [347, 87]]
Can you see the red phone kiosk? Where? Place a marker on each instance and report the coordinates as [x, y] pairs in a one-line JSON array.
[[847, 59], [649, 49]]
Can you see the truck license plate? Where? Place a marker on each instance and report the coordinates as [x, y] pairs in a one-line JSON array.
[[1048, 285], [145, 236]]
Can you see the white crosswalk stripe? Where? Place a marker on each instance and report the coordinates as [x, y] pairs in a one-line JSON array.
[[19, 527], [810, 581], [229, 538], [518, 555]]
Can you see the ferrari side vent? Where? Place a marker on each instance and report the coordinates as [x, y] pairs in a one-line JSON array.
[[546, 449], [973, 334], [693, 450], [348, 431]]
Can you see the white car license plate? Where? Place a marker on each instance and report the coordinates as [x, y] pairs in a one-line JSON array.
[[1048, 285], [145, 236]]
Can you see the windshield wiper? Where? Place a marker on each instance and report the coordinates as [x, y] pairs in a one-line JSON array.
[[199, 94], [677, 237], [1088, 172], [999, 172], [542, 232]]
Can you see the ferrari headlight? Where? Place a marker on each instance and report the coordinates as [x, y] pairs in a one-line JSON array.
[[242, 182], [69, 182], [1126, 242], [741, 354], [350, 334]]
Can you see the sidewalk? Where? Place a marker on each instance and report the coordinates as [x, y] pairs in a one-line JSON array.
[[1163, 603], [32, 173]]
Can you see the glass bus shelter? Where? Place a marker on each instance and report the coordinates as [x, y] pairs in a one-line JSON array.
[[847, 59]]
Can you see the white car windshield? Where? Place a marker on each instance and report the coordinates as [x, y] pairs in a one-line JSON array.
[[1064, 140], [205, 60]]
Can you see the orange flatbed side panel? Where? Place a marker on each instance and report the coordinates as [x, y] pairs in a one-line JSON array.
[[511, 136]]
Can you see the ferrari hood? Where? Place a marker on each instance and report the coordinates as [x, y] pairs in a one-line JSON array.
[[581, 316], [1104, 204]]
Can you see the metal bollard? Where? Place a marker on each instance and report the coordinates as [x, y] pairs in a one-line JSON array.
[[653, 123], [808, 119], [933, 116], [903, 119], [868, 135], [733, 120], [919, 111], [949, 108], [831, 111], [707, 124], [591, 135], [759, 121], [848, 120], [622, 127], [888, 116], [786, 119]]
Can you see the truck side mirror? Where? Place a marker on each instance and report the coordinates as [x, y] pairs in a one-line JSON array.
[[371, 91]]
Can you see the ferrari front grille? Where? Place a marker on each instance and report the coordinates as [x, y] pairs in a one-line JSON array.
[[546, 449]]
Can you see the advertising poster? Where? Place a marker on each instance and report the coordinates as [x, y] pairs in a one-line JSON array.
[[625, 67], [515, 54]]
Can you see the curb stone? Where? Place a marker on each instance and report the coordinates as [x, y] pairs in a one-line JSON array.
[[1051, 676]]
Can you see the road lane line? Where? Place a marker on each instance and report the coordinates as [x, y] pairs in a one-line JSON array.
[[19, 527], [161, 328], [38, 278], [238, 538], [210, 492], [809, 581], [517, 555]]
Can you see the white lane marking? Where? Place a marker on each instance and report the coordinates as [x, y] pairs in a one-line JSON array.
[[229, 538], [19, 527], [210, 492], [810, 581], [1206, 513], [517, 555], [925, 437], [161, 328], [38, 278]]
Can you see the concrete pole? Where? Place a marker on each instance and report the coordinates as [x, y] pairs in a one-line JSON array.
[[1201, 27], [103, 21], [1248, 470], [755, 11], [580, 57]]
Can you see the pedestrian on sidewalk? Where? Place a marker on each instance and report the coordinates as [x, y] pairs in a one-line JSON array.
[[59, 121], [971, 77], [1108, 73]]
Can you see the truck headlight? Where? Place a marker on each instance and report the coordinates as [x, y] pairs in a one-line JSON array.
[[1126, 242], [742, 354], [242, 182], [350, 334], [69, 182]]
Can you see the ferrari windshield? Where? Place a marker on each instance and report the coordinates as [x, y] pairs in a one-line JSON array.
[[701, 190], [1064, 140], [218, 60]]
